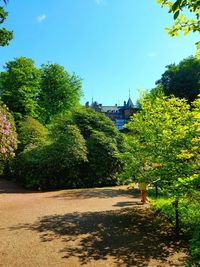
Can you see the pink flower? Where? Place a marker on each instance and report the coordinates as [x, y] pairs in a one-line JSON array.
[[3, 150]]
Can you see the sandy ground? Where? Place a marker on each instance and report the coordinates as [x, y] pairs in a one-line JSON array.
[[92, 227]]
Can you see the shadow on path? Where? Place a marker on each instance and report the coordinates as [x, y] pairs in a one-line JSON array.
[[98, 193], [10, 187], [132, 236]]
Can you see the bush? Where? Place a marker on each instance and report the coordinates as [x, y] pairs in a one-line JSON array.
[[88, 120], [102, 161], [103, 142], [31, 133], [55, 165], [8, 137]]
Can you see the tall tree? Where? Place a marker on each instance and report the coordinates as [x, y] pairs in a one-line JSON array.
[[182, 22], [182, 80], [19, 87], [60, 91], [165, 133]]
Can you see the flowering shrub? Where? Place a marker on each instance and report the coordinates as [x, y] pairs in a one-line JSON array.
[[8, 137]]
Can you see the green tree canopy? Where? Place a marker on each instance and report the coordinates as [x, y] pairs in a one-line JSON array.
[[165, 134], [19, 87], [60, 91], [182, 22], [5, 35], [182, 80]]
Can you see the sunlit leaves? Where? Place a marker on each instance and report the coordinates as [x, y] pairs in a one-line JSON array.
[[165, 134], [183, 23], [20, 87]]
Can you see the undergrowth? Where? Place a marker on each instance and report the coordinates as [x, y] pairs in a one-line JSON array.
[[189, 211]]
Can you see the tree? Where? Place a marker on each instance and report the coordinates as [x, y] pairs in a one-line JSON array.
[[181, 21], [165, 133], [182, 80], [5, 35], [60, 91], [8, 137], [19, 87]]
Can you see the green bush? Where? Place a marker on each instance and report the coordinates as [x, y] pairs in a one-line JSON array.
[[103, 142], [89, 120], [79, 151], [102, 161], [54, 165], [31, 133]]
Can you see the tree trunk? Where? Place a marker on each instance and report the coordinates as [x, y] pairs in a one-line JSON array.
[[177, 226]]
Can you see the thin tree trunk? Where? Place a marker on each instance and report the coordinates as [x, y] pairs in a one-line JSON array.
[[177, 226]]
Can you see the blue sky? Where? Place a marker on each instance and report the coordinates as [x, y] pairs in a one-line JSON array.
[[113, 45]]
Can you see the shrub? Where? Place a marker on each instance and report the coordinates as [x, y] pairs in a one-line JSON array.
[[31, 133], [102, 162], [8, 137], [88, 120], [54, 165], [103, 142]]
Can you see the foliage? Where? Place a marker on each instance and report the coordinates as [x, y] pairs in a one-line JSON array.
[[8, 137], [88, 120], [20, 87], [60, 91], [54, 165], [153, 94], [164, 142], [190, 221], [31, 133], [103, 143], [102, 161], [5, 35], [182, 80], [182, 22]]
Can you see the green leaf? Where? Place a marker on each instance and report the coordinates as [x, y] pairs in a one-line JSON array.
[[176, 15]]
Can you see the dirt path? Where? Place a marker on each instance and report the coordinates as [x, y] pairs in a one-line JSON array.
[[94, 227]]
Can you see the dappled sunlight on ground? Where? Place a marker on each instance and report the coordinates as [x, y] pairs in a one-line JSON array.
[[91, 227]]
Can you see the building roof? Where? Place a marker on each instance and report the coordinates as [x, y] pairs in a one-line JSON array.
[[129, 104], [114, 108]]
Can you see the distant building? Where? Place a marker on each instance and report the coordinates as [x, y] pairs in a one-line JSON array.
[[118, 114]]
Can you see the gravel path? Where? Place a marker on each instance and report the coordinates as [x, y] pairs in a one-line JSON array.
[[91, 227]]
